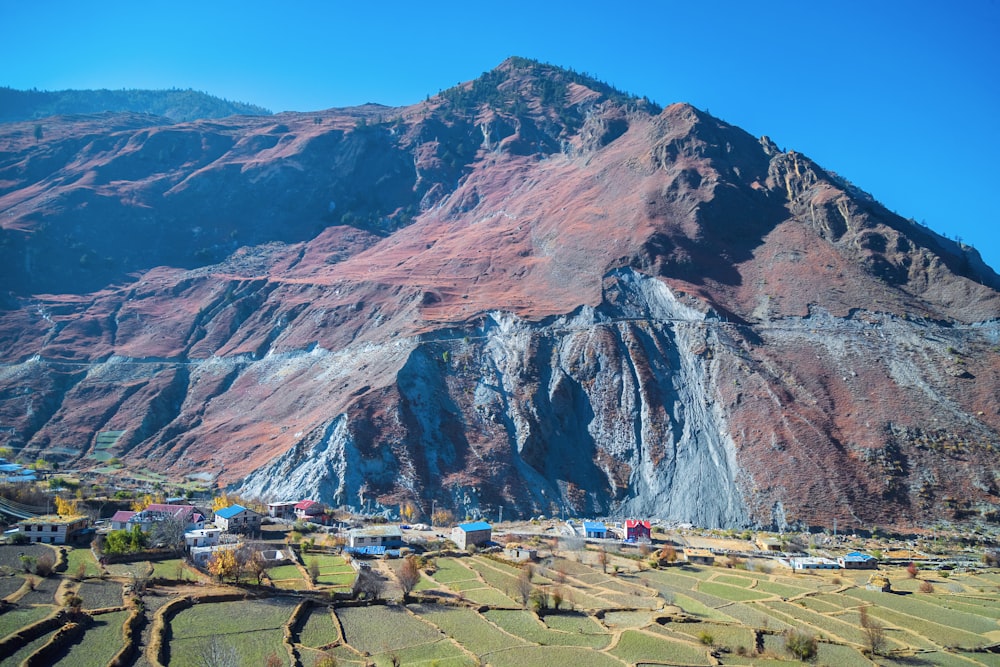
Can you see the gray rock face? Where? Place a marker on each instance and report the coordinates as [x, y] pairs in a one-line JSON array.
[[608, 411]]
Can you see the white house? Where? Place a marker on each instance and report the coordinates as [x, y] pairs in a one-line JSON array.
[[202, 537], [52, 529], [390, 537]]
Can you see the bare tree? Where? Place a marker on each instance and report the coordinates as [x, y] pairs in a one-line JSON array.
[[408, 575], [874, 632], [602, 558], [369, 584], [524, 585], [255, 562], [219, 654], [169, 533]]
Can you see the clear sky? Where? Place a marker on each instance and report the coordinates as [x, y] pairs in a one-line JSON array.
[[902, 98]]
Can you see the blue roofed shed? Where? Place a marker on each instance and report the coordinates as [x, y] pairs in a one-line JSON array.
[[595, 529], [858, 561]]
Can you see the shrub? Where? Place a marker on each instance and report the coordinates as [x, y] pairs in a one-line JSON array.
[[801, 645], [44, 565], [926, 587], [706, 638], [912, 570]]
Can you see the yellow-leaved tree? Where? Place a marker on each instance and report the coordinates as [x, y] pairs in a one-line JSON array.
[[224, 564], [66, 507], [139, 504]]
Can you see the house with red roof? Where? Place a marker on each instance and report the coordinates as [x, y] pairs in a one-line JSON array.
[[637, 530], [310, 510]]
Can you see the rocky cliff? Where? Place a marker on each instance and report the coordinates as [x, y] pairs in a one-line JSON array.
[[531, 291]]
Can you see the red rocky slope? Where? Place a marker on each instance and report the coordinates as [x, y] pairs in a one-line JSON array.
[[529, 291]]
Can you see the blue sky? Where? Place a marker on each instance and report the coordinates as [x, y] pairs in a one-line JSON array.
[[902, 98]]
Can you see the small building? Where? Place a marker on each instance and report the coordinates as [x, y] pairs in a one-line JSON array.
[[202, 537], [284, 509], [811, 563], [765, 543], [595, 530], [637, 530], [238, 519], [699, 556], [310, 510], [53, 529], [879, 582], [468, 534], [389, 537], [519, 553], [858, 561], [119, 520]]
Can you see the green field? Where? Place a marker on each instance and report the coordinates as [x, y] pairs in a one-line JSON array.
[[250, 630], [100, 643], [679, 616]]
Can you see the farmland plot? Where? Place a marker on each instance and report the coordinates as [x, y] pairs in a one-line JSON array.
[[382, 628], [319, 628], [249, 630], [97, 594], [100, 642], [527, 626], [467, 628], [637, 646]]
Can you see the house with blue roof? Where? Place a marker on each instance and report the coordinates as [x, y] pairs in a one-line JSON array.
[[858, 561], [476, 533], [237, 519], [595, 530]]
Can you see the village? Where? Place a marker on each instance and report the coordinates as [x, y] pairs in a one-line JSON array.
[[230, 527], [158, 565]]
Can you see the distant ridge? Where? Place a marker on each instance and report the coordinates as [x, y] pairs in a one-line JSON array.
[[177, 105]]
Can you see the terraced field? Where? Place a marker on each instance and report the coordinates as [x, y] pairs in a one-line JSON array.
[[467, 611]]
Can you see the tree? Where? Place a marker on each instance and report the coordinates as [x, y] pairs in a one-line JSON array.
[[223, 564], [668, 554], [874, 632], [524, 585], [408, 575], [912, 570], [139, 504], [314, 570], [45, 564], [602, 559], [801, 644], [407, 511], [39, 133], [169, 532], [369, 584], [255, 561], [125, 541], [218, 654], [443, 517], [66, 507]]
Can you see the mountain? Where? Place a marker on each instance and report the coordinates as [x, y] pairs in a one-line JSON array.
[[177, 105], [530, 291]]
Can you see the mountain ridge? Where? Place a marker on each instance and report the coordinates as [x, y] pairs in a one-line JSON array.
[[582, 306], [176, 105]]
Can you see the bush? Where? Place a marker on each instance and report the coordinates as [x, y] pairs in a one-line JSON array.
[[926, 587], [44, 565], [706, 638], [801, 645]]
